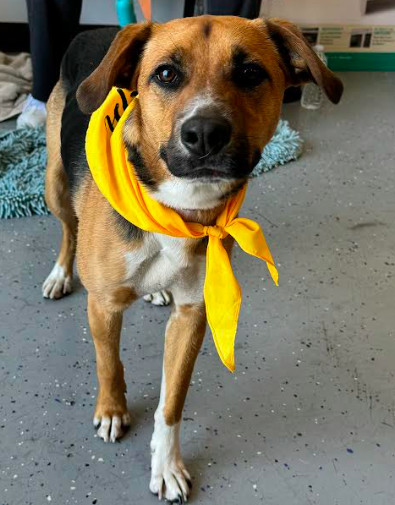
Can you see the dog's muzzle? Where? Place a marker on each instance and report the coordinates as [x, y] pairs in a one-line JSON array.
[[205, 147]]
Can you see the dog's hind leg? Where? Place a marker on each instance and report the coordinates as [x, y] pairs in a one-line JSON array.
[[58, 198], [184, 337], [162, 297]]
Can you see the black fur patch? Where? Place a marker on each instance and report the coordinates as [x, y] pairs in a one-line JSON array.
[[256, 157], [126, 229], [234, 190], [240, 59], [82, 57], [74, 126], [239, 56], [142, 171], [207, 29]]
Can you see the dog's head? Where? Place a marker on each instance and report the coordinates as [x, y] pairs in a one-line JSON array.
[[210, 95]]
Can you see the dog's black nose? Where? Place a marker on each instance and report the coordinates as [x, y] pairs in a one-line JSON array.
[[203, 135]]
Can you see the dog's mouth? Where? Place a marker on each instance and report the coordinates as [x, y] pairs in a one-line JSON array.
[[235, 163], [208, 174]]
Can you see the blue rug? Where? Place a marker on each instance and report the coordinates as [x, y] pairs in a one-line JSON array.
[[22, 173], [23, 158], [285, 145]]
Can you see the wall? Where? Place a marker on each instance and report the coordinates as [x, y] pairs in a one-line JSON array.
[[314, 11], [94, 11]]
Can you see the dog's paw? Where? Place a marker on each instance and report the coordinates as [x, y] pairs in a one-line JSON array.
[[57, 284], [172, 482], [111, 427], [169, 477], [159, 298]]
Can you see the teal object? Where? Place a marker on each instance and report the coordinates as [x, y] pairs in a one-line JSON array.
[[23, 158], [286, 145], [22, 173], [125, 12]]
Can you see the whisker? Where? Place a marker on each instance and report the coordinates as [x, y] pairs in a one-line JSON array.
[[205, 155]]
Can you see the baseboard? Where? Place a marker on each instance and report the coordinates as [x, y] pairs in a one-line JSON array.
[[14, 37]]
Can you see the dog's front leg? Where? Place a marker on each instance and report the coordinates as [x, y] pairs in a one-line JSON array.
[[184, 335], [105, 321]]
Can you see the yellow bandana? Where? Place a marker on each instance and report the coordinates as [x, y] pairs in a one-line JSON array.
[[116, 179]]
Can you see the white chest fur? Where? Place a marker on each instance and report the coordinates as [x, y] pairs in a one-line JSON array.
[[164, 262]]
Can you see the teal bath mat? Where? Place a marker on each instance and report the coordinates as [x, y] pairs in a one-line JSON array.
[[23, 158], [22, 173], [285, 145]]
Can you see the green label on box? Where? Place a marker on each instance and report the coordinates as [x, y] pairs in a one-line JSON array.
[[344, 62]]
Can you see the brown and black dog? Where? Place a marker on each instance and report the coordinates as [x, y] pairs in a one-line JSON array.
[[210, 95]]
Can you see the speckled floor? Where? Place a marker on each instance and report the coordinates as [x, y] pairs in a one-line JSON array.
[[309, 415]]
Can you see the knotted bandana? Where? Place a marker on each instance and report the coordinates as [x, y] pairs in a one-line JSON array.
[[116, 179]]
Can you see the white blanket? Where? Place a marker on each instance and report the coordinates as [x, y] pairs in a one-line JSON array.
[[16, 78]]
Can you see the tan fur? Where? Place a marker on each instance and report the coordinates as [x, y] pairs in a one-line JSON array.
[[105, 324], [57, 194], [184, 337], [101, 248]]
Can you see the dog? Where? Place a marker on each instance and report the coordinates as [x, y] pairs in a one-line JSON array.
[[210, 94]]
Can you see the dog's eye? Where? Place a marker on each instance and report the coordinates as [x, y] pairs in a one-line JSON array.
[[249, 75], [166, 75]]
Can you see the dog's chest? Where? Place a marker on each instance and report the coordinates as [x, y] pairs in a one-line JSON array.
[[160, 262]]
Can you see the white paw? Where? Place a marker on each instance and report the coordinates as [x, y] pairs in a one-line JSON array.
[[159, 298], [170, 479], [57, 284], [110, 429]]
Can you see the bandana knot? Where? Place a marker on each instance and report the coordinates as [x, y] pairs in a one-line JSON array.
[[214, 231]]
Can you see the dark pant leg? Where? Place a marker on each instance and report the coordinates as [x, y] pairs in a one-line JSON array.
[[243, 8], [68, 13], [52, 25], [41, 48]]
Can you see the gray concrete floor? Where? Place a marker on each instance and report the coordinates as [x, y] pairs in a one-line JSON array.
[[309, 415]]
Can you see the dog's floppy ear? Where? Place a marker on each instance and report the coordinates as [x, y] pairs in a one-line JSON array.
[[117, 68], [301, 63]]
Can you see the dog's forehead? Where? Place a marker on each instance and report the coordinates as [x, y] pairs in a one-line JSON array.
[[207, 36]]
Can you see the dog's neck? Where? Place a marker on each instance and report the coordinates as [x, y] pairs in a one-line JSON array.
[[205, 217]]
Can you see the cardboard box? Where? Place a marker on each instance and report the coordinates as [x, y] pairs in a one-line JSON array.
[[356, 34]]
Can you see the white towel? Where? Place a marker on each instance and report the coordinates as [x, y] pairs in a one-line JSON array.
[[16, 78]]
